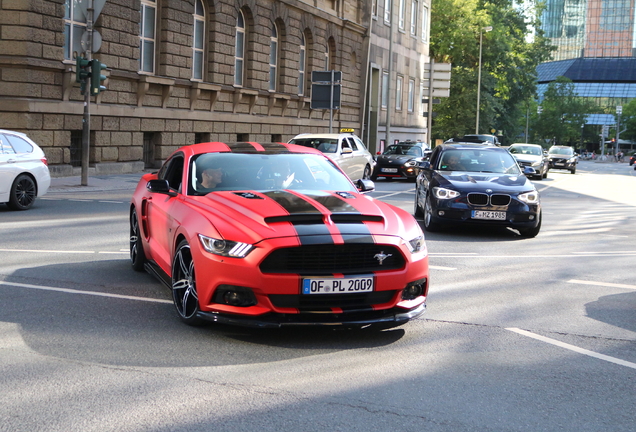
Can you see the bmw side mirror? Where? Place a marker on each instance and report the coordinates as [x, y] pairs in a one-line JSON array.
[[160, 186], [365, 185]]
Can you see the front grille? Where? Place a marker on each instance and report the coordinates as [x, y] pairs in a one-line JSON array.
[[332, 259], [481, 199], [324, 302], [500, 200]]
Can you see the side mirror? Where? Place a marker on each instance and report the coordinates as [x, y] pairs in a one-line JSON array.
[[160, 186], [365, 185], [529, 171], [424, 164], [346, 150]]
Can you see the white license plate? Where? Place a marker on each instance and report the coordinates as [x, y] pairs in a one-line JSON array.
[[558, 164], [484, 214], [389, 170], [345, 285]]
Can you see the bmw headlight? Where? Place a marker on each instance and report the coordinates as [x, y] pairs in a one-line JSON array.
[[443, 193], [225, 248], [529, 197]]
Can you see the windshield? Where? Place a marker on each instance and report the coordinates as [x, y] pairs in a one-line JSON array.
[[408, 150], [211, 172], [325, 145], [561, 151], [527, 150], [478, 161]]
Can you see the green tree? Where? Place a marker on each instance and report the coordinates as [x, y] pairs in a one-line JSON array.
[[628, 121], [563, 113], [509, 64]]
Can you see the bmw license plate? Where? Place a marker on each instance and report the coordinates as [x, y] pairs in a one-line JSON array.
[[485, 214], [345, 285], [559, 164], [389, 170]]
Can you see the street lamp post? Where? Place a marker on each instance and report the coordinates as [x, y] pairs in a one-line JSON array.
[[481, 32]]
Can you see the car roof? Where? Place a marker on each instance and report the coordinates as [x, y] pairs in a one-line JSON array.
[[469, 146], [320, 135], [247, 148], [525, 144]]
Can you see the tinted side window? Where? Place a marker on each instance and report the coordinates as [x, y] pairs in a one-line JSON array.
[[348, 142], [173, 172], [19, 144], [5, 147]]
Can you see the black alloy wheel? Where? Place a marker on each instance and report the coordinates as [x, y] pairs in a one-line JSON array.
[[23, 193], [417, 211], [367, 173], [429, 225], [184, 288], [137, 254]]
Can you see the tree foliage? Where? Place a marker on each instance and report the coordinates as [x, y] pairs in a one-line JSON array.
[[628, 121], [509, 62]]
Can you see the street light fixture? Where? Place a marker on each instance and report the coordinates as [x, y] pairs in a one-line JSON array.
[[481, 32]]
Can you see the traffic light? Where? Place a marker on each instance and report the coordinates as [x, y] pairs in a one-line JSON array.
[[82, 72], [97, 77]]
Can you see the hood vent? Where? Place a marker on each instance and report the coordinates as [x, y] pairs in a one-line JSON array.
[[355, 218], [298, 219]]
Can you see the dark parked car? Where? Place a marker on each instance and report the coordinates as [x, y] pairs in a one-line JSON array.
[[632, 159], [473, 184], [563, 157], [400, 160], [531, 155]]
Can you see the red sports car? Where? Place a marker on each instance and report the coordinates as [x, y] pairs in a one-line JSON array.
[[271, 235]]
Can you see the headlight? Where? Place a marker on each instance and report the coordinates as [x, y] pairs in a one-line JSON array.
[[443, 193], [530, 197], [410, 163], [417, 244], [225, 248]]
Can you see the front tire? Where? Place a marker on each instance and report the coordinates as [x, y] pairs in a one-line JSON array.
[[23, 193], [184, 288], [429, 225], [137, 254], [573, 170], [367, 173], [417, 211], [531, 232]]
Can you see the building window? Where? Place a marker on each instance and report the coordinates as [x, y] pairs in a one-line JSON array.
[[425, 23], [198, 41], [411, 101], [387, 11], [76, 148], [301, 66], [273, 57], [422, 104], [239, 56], [385, 89], [327, 60], [74, 27], [401, 14], [398, 94], [414, 9], [374, 8], [147, 36]]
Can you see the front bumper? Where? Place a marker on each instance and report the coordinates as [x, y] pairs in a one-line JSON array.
[[561, 164], [456, 212], [402, 171]]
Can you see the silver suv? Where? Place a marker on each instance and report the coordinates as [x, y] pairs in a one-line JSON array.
[[345, 149]]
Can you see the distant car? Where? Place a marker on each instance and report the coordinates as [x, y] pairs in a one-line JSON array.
[[24, 171], [531, 155], [400, 160], [281, 238], [345, 149], [563, 157], [473, 184]]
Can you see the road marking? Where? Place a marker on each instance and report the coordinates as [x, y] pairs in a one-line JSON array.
[[573, 348], [605, 284], [46, 251], [535, 256], [408, 191], [441, 268], [454, 253], [608, 252], [72, 291]]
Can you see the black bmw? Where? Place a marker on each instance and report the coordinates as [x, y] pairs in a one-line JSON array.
[[473, 184]]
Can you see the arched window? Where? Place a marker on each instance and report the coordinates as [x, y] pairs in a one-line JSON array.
[[74, 27], [198, 40], [273, 58], [147, 36], [301, 66], [327, 59], [239, 53]]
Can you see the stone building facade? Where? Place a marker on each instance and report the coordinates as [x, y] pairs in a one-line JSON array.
[[179, 72]]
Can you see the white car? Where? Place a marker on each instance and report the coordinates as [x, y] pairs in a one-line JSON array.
[[345, 149], [24, 173]]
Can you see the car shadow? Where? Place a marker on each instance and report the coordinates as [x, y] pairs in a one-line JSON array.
[[472, 233], [616, 309], [127, 319]]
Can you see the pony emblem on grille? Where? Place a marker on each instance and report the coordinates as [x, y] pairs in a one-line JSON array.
[[381, 257]]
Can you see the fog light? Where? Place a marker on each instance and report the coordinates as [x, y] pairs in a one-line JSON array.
[[414, 290], [531, 217], [234, 296], [441, 212]]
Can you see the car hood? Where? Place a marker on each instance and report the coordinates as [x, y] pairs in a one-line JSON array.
[[527, 158], [477, 181], [315, 216], [559, 156], [395, 158]]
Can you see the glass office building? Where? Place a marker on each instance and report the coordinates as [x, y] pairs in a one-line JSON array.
[[596, 48]]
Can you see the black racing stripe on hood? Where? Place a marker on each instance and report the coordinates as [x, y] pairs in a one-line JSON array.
[[347, 218], [275, 148], [308, 232], [333, 203], [243, 147]]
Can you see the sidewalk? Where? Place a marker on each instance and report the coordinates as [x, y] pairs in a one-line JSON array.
[[96, 183]]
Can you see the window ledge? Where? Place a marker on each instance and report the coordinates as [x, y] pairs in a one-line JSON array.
[[195, 92], [240, 94], [273, 98], [144, 85]]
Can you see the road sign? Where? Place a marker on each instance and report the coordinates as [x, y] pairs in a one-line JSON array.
[[321, 96], [97, 7], [325, 76], [97, 41], [619, 109]]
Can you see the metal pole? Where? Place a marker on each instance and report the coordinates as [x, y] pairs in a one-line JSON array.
[[86, 129], [429, 120], [388, 85], [478, 83], [618, 133], [331, 103]]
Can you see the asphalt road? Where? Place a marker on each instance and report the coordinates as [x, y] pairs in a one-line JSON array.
[[520, 334]]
